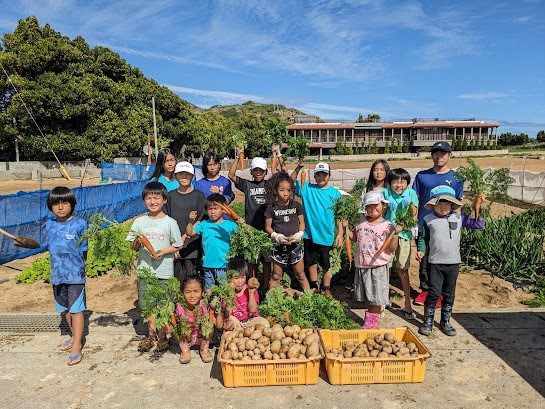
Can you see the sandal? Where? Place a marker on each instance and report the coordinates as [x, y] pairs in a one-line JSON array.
[[162, 345], [66, 345], [185, 357], [409, 315], [206, 356], [146, 344], [74, 359]]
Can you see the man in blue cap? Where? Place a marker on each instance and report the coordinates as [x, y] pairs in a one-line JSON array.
[[440, 174]]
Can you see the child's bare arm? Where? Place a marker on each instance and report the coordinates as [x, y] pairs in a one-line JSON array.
[[252, 303], [189, 229], [164, 251], [297, 169], [233, 170], [392, 247], [268, 226]]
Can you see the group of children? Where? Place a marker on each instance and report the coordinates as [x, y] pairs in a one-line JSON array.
[[190, 234]]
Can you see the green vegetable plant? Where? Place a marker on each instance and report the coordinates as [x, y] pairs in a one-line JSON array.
[[359, 187], [222, 296], [159, 300], [249, 244], [298, 147], [405, 217]]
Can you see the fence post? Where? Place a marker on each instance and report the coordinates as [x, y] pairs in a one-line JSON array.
[[523, 177]]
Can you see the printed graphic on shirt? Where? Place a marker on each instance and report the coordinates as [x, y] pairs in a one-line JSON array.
[[154, 234], [258, 193]]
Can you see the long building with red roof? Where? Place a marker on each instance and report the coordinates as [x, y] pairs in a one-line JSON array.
[[418, 132]]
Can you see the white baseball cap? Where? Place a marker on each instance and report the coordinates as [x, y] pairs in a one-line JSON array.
[[372, 197], [321, 167], [184, 167], [258, 163]]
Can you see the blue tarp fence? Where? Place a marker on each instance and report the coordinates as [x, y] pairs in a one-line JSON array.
[[125, 171], [25, 213]]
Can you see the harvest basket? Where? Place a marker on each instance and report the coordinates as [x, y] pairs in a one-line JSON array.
[[349, 371], [269, 372]]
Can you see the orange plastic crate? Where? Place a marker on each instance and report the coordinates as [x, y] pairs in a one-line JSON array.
[[349, 371], [269, 372]]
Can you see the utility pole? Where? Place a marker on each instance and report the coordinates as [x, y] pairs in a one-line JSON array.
[[154, 127], [16, 140]]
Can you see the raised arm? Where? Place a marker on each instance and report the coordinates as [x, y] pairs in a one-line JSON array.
[[297, 169], [233, 170]]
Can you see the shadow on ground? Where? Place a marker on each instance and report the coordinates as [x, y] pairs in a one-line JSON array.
[[518, 338]]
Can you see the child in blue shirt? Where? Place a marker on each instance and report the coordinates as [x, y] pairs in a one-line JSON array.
[[319, 237], [216, 235], [68, 252], [213, 182], [399, 195]]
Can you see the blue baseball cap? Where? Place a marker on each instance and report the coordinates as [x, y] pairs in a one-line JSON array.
[[442, 192]]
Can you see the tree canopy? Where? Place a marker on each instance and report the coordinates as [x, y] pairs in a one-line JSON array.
[[90, 103]]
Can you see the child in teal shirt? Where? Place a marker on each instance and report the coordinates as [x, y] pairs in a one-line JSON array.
[[399, 195], [318, 201], [216, 235]]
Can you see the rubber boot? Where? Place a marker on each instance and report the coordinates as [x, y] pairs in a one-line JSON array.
[[446, 313], [427, 324]]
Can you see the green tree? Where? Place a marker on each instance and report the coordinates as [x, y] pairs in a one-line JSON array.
[[387, 147], [540, 136]]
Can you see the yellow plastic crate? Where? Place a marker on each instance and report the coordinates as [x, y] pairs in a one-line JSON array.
[[350, 371], [269, 372]]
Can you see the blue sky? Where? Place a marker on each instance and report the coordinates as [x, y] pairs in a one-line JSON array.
[[335, 59]]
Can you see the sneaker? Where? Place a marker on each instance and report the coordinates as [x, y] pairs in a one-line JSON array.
[[326, 292], [421, 298]]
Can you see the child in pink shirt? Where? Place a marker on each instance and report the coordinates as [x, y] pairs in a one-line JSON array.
[[371, 281], [245, 311]]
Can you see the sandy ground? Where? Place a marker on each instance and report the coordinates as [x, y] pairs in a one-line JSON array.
[[13, 186]]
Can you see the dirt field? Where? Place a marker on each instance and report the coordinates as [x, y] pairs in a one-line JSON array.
[[14, 186]]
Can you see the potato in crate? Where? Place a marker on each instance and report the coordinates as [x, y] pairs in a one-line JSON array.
[[373, 356], [260, 356]]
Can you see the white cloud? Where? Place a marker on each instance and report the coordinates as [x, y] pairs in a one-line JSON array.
[[479, 96], [206, 98], [523, 19]]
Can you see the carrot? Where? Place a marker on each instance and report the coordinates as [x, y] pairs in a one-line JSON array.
[[228, 211], [211, 316], [384, 246], [146, 243], [478, 203], [348, 245], [273, 163], [241, 159], [287, 317], [303, 177]]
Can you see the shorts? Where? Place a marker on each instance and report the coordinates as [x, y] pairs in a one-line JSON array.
[[287, 254], [316, 254], [141, 287], [212, 275], [402, 257], [69, 297], [372, 285]]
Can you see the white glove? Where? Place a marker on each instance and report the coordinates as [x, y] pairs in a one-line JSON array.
[[279, 238], [414, 232], [297, 237]]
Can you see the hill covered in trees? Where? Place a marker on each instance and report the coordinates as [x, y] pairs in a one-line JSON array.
[[90, 103]]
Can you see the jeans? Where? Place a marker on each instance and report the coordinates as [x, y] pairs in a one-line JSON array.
[[211, 275], [442, 280]]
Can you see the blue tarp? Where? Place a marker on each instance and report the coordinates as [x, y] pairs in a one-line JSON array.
[[24, 213], [125, 171]]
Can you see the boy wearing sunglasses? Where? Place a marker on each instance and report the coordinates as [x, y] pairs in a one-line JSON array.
[[439, 239]]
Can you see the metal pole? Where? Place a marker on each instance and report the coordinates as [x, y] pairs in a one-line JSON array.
[[523, 177], [154, 127]]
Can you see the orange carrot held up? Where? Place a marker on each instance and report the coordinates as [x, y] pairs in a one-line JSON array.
[[211, 316], [478, 203], [146, 243], [241, 158], [303, 177], [348, 245], [228, 211]]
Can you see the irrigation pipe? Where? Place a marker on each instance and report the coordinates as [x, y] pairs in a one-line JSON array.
[[61, 167]]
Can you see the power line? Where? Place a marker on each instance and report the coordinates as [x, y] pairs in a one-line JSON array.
[[35, 123]]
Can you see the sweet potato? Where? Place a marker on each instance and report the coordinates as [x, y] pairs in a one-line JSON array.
[[147, 245]]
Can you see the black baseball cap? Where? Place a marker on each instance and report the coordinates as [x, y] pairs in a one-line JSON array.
[[441, 146]]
